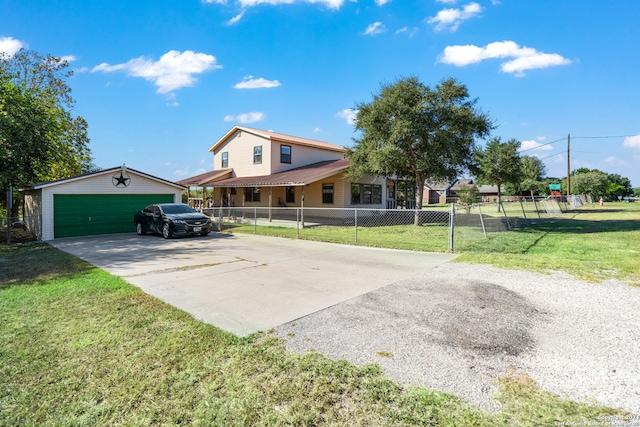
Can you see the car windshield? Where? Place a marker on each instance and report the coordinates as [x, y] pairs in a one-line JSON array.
[[177, 209]]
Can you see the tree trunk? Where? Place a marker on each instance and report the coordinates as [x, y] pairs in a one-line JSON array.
[[499, 198], [417, 219]]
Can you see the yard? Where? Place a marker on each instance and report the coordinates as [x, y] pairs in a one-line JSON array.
[[83, 347]]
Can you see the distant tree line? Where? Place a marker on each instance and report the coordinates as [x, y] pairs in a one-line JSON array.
[[421, 133]]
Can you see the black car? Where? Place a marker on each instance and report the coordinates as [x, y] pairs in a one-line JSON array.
[[171, 219]]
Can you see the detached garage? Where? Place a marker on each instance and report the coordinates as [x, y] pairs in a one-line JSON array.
[[97, 203]]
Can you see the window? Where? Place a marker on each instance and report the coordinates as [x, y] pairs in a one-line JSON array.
[[366, 194], [327, 193], [291, 195], [285, 154], [257, 154], [377, 194], [252, 194], [225, 159], [355, 194]]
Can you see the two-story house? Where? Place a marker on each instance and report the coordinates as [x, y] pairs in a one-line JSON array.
[[256, 168]]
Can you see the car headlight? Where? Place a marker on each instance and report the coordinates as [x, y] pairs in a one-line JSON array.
[[179, 221]]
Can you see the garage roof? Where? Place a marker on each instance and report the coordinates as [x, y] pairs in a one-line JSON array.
[[103, 172]]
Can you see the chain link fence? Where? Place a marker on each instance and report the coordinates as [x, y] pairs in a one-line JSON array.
[[437, 228]]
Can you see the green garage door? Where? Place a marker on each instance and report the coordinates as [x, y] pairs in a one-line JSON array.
[[89, 214]]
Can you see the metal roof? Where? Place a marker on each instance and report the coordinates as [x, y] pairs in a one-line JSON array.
[[281, 138], [206, 179], [303, 175]]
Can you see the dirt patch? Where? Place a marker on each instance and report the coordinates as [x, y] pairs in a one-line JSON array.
[[481, 317]]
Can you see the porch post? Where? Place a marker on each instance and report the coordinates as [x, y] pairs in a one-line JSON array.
[[302, 207], [244, 198], [270, 201]]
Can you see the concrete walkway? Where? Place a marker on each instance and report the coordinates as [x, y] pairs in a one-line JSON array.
[[244, 283]]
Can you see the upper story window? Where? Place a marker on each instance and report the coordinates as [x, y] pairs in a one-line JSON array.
[[257, 154], [285, 154], [225, 159]]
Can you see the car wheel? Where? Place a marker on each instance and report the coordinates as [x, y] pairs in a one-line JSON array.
[[166, 232], [140, 229], [205, 233]]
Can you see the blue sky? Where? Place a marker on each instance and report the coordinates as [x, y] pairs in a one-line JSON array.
[[159, 82]]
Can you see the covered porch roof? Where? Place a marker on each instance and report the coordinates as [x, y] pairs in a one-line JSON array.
[[301, 176], [206, 179]]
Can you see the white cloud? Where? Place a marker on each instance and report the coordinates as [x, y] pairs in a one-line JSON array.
[[174, 70], [348, 114], [447, 1], [382, 2], [452, 18], [410, 31], [632, 141], [10, 45], [246, 117], [526, 58], [613, 160], [375, 28], [68, 58], [317, 130], [236, 18], [250, 83], [332, 4], [534, 145]]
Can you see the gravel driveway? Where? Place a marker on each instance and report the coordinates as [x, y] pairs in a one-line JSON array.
[[457, 327]]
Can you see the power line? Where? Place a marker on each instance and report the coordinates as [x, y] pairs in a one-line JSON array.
[[542, 145]]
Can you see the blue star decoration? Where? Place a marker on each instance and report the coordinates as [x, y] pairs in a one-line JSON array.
[[121, 181]]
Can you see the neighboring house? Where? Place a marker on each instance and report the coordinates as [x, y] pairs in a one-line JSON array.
[[447, 192], [257, 168]]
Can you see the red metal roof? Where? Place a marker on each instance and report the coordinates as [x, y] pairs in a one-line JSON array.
[[206, 179], [294, 177]]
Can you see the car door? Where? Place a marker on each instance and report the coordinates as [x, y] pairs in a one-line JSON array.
[[156, 219]]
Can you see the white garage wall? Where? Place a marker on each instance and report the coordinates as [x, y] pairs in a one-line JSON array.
[[101, 184]]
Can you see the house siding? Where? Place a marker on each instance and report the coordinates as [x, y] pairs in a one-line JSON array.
[[32, 212], [240, 148], [300, 156]]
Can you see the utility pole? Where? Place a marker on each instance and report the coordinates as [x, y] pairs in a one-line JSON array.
[[568, 166]]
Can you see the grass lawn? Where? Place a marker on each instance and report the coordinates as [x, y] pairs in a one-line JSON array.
[[592, 243], [82, 347]]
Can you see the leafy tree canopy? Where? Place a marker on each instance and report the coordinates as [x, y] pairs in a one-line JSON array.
[[40, 139], [417, 132], [499, 163]]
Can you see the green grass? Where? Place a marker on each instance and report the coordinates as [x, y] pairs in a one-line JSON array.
[[81, 347], [591, 243]]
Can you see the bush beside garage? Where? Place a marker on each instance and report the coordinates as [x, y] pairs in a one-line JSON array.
[[102, 202]]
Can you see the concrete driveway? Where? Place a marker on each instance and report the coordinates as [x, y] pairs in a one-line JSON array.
[[244, 283]]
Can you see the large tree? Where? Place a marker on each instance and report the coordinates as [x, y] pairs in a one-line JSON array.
[[533, 171], [40, 138], [412, 131], [499, 163]]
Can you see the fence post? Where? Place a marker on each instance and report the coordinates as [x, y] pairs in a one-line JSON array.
[[355, 216], [505, 215], [484, 231], [452, 216], [526, 220], [297, 223], [536, 205], [9, 209], [255, 220]]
